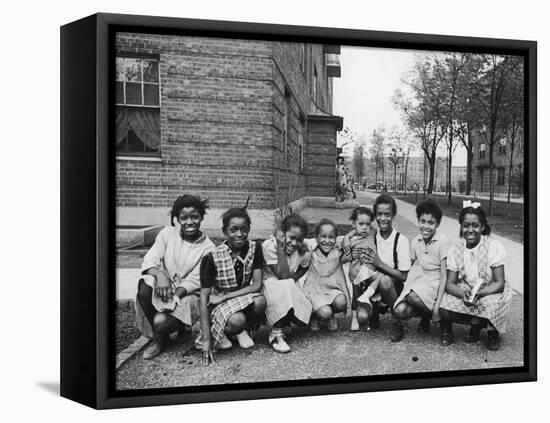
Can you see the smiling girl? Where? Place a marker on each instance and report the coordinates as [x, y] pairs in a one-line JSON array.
[[167, 297], [325, 284], [425, 284], [476, 290], [287, 260], [231, 281]]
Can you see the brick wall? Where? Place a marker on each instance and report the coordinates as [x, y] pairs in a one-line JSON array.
[[321, 153], [223, 123]]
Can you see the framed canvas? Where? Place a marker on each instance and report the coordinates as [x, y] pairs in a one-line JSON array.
[[257, 211]]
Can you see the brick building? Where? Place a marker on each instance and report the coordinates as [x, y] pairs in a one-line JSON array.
[[501, 171], [223, 118]]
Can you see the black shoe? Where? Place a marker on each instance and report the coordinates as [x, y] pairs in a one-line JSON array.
[[424, 325], [473, 334], [396, 332], [447, 337], [493, 340]]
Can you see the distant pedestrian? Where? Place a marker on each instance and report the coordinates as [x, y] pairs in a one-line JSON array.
[[341, 180], [325, 284], [363, 275], [231, 281], [425, 284], [476, 291], [167, 298], [287, 260]]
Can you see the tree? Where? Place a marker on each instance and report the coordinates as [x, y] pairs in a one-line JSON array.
[[423, 110], [395, 151], [513, 118], [359, 159], [491, 84], [377, 150], [408, 148], [449, 71]]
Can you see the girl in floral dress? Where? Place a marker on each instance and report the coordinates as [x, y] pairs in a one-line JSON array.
[[476, 290]]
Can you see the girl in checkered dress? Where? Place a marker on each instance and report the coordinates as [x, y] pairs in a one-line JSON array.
[[287, 259], [231, 281], [476, 290]]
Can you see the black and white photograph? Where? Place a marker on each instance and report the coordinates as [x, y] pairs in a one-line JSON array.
[[288, 211]]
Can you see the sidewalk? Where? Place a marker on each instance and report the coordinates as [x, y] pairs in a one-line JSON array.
[[449, 227]]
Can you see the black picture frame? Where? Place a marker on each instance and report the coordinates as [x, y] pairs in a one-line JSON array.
[[87, 180]]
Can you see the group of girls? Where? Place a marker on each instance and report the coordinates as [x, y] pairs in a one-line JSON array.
[[290, 279]]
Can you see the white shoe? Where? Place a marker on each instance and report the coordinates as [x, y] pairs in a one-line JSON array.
[[244, 340], [278, 343], [314, 324], [354, 324], [224, 343], [333, 324]]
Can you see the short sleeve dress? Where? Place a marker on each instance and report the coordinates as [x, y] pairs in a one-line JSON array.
[[181, 261], [425, 273], [474, 263], [284, 295], [325, 279]]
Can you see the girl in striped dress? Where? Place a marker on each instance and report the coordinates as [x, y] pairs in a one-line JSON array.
[[476, 289], [231, 281], [287, 259]]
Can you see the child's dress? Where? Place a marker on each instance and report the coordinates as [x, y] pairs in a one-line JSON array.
[[425, 274], [472, 264], [223, 274], [283, 295], [181, 260], [325, 278], [358, 270]]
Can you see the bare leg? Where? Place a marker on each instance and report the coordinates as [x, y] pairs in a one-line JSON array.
[[339, 304], [235, 324]]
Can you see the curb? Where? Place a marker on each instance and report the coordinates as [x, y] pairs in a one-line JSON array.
[[135, 347]]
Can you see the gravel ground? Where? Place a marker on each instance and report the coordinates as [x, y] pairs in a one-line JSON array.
[[325, 355], [126, 331]]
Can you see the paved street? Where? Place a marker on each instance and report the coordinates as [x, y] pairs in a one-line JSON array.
[[324, 354]]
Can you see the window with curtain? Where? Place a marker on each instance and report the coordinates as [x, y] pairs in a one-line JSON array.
[[137, 106]]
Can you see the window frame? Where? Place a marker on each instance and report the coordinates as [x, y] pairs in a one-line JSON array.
[[156, 155]]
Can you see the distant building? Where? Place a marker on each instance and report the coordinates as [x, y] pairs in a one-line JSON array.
[[501, 166], [223, 118]]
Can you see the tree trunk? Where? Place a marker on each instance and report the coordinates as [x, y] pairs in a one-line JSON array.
[[469, 160], [395, 177], [491, 178], [449, 175], [405, 176], [512, 142], [431, 162]]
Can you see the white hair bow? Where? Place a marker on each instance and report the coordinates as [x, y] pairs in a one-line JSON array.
[[468, 203]]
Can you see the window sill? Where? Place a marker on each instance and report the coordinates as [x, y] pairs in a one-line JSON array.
[[139, 159]]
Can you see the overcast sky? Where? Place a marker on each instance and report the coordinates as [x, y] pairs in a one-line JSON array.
[[362, 95]]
